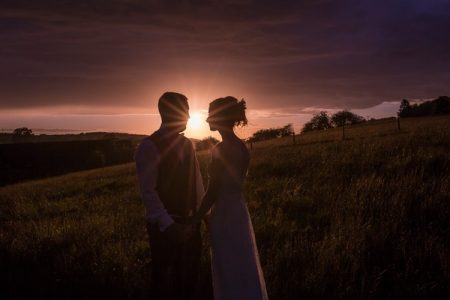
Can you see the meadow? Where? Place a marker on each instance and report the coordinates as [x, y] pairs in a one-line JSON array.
[[367, 217]]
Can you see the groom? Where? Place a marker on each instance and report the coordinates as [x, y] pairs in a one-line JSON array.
[[171, 188]]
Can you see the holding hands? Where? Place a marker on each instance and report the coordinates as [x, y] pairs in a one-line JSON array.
[[179, 233]]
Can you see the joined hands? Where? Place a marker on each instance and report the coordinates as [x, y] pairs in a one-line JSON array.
[[180, 233]]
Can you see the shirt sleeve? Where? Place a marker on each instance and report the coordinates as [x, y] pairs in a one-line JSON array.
[[147, 171]]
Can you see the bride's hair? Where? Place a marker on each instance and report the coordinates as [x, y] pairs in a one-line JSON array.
[[229, 110]]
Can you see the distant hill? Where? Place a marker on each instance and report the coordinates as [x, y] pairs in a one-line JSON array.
[[7, 138], [25, 161], [39, 156]]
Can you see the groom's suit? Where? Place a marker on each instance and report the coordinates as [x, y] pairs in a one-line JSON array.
[[171, 188]]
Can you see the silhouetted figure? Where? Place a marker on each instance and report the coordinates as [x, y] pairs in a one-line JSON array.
[[236, 269], [171, 186]]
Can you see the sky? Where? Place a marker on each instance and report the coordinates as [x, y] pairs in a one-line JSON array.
[[101, 65]]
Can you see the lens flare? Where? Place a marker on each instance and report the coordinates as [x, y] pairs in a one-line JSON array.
[[195, 121]]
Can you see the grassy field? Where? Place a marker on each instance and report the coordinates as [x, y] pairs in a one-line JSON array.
[[363, 218]]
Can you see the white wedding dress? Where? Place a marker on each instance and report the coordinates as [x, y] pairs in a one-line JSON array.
[[236, 268]]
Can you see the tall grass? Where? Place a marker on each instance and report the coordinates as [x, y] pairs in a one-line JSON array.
[[364, 218]]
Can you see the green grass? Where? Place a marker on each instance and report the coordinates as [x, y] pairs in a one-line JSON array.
[[363, 218]]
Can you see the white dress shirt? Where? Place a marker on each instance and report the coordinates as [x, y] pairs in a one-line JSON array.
[[147, 159]]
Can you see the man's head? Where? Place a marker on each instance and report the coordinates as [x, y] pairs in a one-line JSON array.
[[174, 110]]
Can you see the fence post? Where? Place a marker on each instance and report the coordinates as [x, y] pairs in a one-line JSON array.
[[398, 122], [293, 137], [343, 131], [251, 145]]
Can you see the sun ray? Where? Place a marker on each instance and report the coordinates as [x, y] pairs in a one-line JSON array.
[[195, 121]]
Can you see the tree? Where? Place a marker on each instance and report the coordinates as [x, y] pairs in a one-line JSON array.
[[22, 131], [206, 143], [21, 134], [442, 105], [439, 106], [308, 126], [405, 109], [286, 130], [264, 134], [320, 121], [345, 117], [271, 133]]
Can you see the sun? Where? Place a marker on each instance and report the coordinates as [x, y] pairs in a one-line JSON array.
[[197, 127], [195, 121]]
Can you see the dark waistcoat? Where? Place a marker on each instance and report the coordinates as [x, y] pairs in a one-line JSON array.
[[176, 180]]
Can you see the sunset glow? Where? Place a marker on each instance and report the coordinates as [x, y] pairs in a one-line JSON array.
[[197, 126], [195, 121], [104, 67]]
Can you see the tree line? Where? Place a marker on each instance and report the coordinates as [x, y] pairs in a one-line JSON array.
[[322, 121], [23, 161], [439, 106], [206, 143], [272, 133], [26, 135]]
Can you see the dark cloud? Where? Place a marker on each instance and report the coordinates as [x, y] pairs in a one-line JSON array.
[[351, 54]]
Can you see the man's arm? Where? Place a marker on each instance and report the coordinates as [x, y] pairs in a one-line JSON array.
[[147, 170]]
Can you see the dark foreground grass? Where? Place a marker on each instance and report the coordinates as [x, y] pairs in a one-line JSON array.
[[365, 218]]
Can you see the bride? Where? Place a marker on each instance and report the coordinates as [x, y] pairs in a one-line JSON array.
[[236, 269]]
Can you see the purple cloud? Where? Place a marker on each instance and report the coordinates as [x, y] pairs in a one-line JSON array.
[[278, 55]]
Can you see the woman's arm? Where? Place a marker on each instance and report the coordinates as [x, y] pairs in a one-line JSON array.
[[211, 194]]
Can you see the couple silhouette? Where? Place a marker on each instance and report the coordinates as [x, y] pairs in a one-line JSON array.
[[176, 203]]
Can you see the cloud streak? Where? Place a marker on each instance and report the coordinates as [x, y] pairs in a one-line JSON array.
[[115, 54]]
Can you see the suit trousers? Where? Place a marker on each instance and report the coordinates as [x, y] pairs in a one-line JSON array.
[[174, 266]]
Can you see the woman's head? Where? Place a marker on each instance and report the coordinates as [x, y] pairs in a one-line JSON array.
[[225, 113]]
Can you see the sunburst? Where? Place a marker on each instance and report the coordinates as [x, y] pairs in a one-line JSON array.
[[195, 121]]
